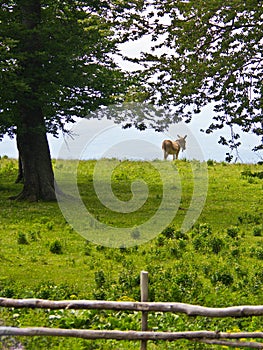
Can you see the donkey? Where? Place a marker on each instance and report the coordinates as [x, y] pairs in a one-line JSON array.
[[173, 147]]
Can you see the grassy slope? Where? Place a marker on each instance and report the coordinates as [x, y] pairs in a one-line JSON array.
[[182, 269]]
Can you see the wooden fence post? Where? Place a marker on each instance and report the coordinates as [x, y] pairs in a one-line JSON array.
[[144, 297]]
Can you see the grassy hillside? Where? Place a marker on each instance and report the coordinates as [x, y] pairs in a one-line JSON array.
[[218, 262]]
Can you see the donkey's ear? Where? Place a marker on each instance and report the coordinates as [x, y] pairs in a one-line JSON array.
[[178, 136], [185, 137]]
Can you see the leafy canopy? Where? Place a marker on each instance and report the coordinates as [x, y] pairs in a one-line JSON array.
[[208, 52], [70, 68]]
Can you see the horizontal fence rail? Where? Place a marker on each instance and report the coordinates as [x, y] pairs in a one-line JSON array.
[[208, 337], [230, 339], [188, 309]]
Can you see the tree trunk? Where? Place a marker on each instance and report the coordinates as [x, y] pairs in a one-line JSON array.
[[32, 141], [20, 176], [35, 158]]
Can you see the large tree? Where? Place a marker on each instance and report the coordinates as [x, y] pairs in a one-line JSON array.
[[56, 64], [208, 52]]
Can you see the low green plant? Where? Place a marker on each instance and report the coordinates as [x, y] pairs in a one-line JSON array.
[[250, 218], [87, 248], [160, 241], [210, 162], [21, 238], [168, 232], [224, 277], [257, 231], [202, 229], [56, 247], [257, 252], [216, 244], [233, 231]]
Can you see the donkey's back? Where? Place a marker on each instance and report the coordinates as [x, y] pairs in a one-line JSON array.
[[173, 147]]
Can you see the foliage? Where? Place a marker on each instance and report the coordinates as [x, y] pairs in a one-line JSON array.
[[71, 74], [21, 239], [208, 52], [56, 247]]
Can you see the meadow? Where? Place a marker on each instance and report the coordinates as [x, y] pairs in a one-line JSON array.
[[218, 262]]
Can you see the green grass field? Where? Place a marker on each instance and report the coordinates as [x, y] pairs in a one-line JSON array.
[[218, 262]]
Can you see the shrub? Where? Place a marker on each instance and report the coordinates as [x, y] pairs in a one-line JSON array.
[[257, 231], [248, 218], [182, 244], [216, 244], [222, 276], [202, 229], [50, 290], [249, 174], [34, 236], [180, 235], [49, 225], [232, 231], [87, 249], [56, 247], [168, 232], [259, 253], [100, 278], [235, 252], [256, 253], [160, 241], [198, 243], [175, 252], [21, 239], [210, 162]]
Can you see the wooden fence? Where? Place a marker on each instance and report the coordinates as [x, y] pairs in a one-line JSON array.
[[236, 339]]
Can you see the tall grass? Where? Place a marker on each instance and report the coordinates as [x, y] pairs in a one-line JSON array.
[[218, 262]]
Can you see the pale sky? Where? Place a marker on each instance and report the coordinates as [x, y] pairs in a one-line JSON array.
[[106, 139]]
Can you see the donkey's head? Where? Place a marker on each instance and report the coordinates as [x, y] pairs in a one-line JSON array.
[[182, 142]]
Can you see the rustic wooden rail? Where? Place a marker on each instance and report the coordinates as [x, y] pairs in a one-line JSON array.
[[240, 339]]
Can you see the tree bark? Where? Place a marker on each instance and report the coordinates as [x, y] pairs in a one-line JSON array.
[[20, 176], [35, 159]]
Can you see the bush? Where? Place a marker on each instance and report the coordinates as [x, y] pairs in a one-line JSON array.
[[232, 232], [224, 277], [198, 243], [210, 162], [87, 249], [21, 239], [257, 231], [100, 279], [175, 252], [56, 247], [216, 244], [248, 218], [160, 241], [180, 235], [256, 253], [203, 229], [168, 232]]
